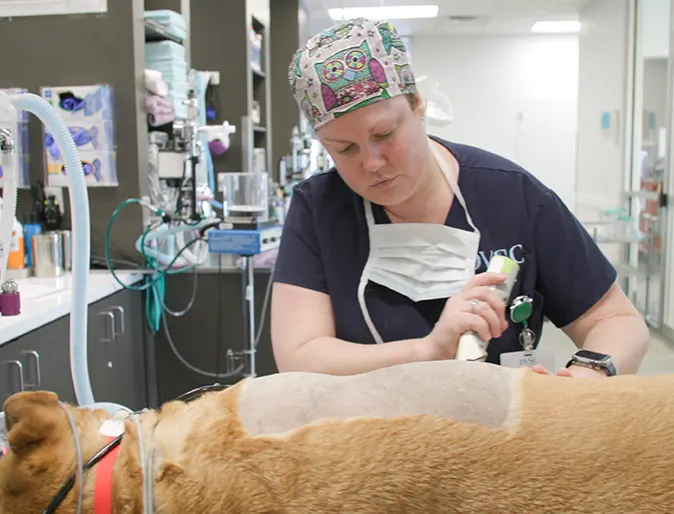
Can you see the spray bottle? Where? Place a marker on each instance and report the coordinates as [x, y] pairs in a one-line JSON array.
[[17, 255]]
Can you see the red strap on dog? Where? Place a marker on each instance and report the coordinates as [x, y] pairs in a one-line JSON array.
[[103, 485]]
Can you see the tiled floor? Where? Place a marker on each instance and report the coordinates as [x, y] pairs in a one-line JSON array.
[[659, 359]]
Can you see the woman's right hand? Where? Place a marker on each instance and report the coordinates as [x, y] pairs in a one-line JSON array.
[[477, 308]]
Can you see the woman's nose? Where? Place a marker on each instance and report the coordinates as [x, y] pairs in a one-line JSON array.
[[373, 160]]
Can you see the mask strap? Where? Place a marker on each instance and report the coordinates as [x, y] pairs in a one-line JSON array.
[[363, 306], [369, 217], [452, 182]]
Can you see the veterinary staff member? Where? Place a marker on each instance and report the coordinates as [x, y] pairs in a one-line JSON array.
[[381, 259]]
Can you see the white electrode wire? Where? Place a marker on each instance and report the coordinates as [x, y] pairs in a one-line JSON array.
[[199, 371], [80, 461], [143, 459]]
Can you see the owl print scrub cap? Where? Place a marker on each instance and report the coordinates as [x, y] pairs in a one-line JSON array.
[[352, 64]]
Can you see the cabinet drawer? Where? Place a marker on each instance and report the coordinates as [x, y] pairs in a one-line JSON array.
[[116, 349], [38, 361]]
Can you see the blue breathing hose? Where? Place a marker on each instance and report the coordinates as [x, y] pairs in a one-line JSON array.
[[81, 240]]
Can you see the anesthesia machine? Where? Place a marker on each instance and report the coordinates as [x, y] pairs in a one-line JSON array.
[[187, 225]]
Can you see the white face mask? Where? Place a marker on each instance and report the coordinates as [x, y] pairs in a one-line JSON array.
[[422, 261]]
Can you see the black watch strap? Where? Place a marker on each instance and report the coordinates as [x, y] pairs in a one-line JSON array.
[[609, 368]]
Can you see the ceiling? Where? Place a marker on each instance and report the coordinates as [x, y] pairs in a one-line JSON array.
[[460, 17]]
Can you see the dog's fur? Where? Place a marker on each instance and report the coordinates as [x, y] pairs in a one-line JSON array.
[[442, 437]]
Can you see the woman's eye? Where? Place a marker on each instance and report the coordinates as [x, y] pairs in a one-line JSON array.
[[345, 150], [384, 136]]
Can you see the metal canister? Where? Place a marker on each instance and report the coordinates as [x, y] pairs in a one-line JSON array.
[[48, 255], [67, 240]]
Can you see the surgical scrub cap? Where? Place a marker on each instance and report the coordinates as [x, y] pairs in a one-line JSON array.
[[350, 65]]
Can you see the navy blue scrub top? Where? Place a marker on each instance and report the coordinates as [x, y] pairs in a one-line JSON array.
[[325, 246]]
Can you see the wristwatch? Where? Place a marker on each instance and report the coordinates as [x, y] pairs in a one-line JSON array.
[[593, 360]]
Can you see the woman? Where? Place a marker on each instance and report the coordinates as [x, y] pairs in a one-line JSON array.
[[392, 245]]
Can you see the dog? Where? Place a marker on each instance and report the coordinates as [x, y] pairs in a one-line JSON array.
[[421, 438]]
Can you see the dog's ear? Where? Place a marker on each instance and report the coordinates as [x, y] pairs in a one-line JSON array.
[[29, 418], [170, 472]]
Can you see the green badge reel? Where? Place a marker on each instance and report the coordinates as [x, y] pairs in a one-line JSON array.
[[521, 310], [471, 347]]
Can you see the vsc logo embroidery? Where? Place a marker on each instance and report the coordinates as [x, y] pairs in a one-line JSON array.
[[515, 252]]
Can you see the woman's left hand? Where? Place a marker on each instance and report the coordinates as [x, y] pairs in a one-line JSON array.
[[573, 371]]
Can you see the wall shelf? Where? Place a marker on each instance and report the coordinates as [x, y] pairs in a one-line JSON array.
[[244, 86]]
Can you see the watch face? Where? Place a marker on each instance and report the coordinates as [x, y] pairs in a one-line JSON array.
[[594, 356]]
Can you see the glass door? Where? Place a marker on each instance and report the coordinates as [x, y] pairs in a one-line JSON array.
[[645, 222], [668, 189]]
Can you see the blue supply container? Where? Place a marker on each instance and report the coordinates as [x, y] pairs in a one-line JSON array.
[[173, 22], [31, 227]]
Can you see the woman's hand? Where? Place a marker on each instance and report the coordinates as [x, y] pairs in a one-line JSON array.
[[573, 371], [477, 308], [541, 370]]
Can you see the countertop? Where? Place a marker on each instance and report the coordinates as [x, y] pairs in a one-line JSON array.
[[44, 300]]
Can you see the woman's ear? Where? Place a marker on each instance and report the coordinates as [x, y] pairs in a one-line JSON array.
[[418, 105]]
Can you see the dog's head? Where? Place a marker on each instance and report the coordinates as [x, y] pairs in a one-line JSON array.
[[42, 453]]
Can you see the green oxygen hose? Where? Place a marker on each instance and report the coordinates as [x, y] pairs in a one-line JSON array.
[[156, 281]]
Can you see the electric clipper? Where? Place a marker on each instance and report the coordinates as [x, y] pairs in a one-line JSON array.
[[471, 347]]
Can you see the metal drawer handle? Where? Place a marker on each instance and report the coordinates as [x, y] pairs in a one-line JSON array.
[[111, 317], [38, 378], [19, 367], [122, 319]]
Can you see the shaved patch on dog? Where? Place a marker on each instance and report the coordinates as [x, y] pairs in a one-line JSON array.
[[477, 392]]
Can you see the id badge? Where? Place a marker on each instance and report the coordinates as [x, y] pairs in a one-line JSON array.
[[529, 358]]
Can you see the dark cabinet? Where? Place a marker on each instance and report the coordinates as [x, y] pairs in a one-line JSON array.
[[116, 350], [40, 360]]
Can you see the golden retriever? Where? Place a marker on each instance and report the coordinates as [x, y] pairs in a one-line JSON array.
[[426, 438]]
